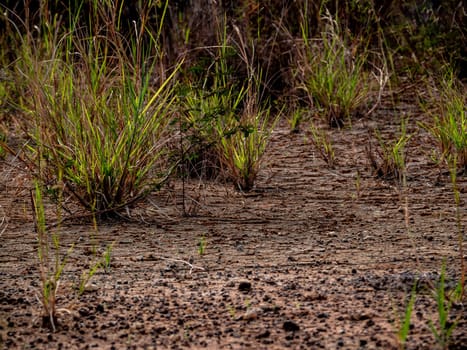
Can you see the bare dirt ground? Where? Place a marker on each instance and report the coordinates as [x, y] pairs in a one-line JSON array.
[[314, 258]]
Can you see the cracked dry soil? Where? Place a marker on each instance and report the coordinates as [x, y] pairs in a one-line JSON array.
[[314, 258]]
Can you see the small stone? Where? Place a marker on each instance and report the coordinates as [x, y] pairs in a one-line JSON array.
[[244, 287], [138, 325], [91, 287], [290, 326], [83, 312], [265, 334], [230, 284], [100, 308], [252, 314]]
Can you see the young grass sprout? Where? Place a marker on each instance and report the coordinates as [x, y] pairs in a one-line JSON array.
[[51, 263], [107, 257], [202, 245], [215, 98], [391, 155], [445, 327], [103, 263], [323, 144], [405, 321]]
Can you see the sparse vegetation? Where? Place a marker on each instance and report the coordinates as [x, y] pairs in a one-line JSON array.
[[460, 235], [103, 104]]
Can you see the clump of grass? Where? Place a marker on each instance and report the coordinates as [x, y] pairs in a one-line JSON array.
[[211, 93], [296, 118], [243, 137], [390, 159], [243, 141], [96, 113], [3, 221], [227, 117], [449, 123], [205, 107], [332, 75]]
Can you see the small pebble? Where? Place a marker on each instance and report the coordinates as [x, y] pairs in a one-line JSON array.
[[290, 326], [91, 287], [244, 286], [251, 314]]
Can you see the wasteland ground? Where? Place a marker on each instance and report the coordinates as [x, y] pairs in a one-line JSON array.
[[312, 258]]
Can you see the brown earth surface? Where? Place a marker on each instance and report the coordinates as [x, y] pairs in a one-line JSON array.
[[313, 258]]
